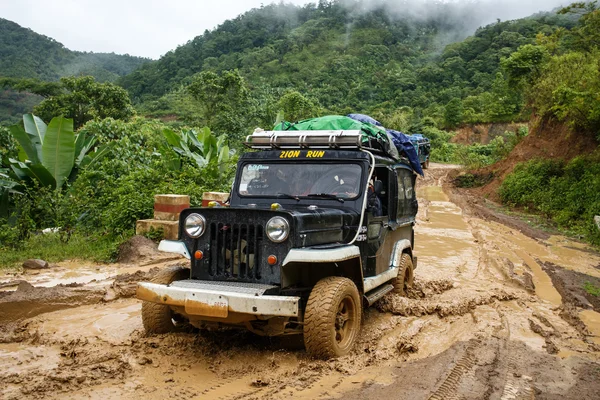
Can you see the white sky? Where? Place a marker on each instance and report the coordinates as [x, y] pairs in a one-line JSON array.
[[150, 28], [145, 28]]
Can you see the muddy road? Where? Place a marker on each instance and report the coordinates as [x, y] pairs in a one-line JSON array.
[[494, 314]]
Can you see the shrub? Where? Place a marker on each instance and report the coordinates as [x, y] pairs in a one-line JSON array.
[[568, 193]]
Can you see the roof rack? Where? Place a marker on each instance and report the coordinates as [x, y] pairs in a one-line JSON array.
[[338, 139]]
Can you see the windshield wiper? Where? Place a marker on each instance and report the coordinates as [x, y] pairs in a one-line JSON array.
[[326, 195], [288, 196]]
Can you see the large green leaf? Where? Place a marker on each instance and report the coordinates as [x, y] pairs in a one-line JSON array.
[[58, 149], [83, 144], [223, 154], [42, 175], [210, 147], [26, 142], [8, 184], [172, 138], [170, 157], [200, 161], [4, 203], [193, 139], [36, 129], [18, 172], [36, 172], [96, 156], [204, 138]]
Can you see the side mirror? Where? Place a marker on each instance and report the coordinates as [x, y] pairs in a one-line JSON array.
[[378, 187]]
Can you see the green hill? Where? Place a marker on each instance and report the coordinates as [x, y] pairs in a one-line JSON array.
[[26, 54], [349, 58]]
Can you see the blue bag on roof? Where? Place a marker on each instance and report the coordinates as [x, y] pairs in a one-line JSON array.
[[365, 119], [403, 144], [399, 140]]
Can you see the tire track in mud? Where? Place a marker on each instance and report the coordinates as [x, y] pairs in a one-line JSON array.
[[514, 388], [448, 390], [480, 357]]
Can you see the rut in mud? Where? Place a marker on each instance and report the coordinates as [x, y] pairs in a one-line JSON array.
[[492, 315]]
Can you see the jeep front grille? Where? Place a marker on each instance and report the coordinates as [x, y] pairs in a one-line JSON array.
[[235, 250]]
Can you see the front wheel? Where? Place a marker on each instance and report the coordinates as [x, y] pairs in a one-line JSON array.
[[406, 275], [332, 318], [159, 318]]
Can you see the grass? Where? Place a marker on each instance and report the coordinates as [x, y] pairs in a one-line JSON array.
[[50, 248], [592, 289]]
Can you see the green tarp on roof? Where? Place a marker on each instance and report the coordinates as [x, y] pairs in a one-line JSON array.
[[334, 122]]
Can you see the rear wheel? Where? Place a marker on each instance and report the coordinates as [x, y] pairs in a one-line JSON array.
[[159, 318], [332, 318], [406, 275]]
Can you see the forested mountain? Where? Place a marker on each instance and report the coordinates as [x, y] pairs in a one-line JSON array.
[[26, 54], [346, 57]]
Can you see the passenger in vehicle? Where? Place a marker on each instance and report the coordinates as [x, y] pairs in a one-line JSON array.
[[373, 201]]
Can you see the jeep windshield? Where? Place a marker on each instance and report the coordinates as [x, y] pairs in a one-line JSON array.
[[301, 180]]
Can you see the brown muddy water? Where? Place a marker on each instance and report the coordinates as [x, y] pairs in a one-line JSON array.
[[487, 318]]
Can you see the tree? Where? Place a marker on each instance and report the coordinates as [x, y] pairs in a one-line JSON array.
[[587, 36], [84, 99], [296, 107], [222, 99], [453, 113], [524, 65]]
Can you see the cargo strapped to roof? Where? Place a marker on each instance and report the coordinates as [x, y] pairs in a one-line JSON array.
[[333, 139]]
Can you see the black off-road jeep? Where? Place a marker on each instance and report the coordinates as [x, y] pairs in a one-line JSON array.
[[318, 227]]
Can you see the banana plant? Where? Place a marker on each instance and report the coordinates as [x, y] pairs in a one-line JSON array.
[[51, 154], [203, 147], [7, 187]]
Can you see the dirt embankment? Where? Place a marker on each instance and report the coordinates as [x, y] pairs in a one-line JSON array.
[[484, 133], [545, 140], [484, 320]]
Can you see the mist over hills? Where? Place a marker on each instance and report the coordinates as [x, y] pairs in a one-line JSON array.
[[346, 56], [27, 54]]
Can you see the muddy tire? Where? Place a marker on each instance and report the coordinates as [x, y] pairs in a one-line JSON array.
[[332, 318], [158, 318], [426, 166], [406, 275]]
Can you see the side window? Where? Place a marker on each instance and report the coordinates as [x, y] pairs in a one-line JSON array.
[[407, 201], [401, 193], [408, 187]]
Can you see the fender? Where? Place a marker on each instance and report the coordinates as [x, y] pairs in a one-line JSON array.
[[400, 247], [174, 246], [341, 261], [337, 254]]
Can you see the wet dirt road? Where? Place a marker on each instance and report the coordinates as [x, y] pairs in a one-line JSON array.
[[494, 314]]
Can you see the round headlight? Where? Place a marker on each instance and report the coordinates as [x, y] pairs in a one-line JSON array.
[[195, 225], [278, 229]]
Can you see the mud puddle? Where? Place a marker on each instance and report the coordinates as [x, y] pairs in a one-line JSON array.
[[481, 322]]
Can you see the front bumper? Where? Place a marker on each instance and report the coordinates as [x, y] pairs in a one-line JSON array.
[[207, 299]]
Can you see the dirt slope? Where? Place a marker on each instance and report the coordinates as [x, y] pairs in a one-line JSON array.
[[545, 140], [483, 133], [484, 320]]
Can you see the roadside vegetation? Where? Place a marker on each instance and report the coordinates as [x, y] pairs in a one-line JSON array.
[[566, 192], [103, 181], [177, 125], [560, 75]]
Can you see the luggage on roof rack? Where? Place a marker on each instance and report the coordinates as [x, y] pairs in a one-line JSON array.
[[317, 139], [372, 137]]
